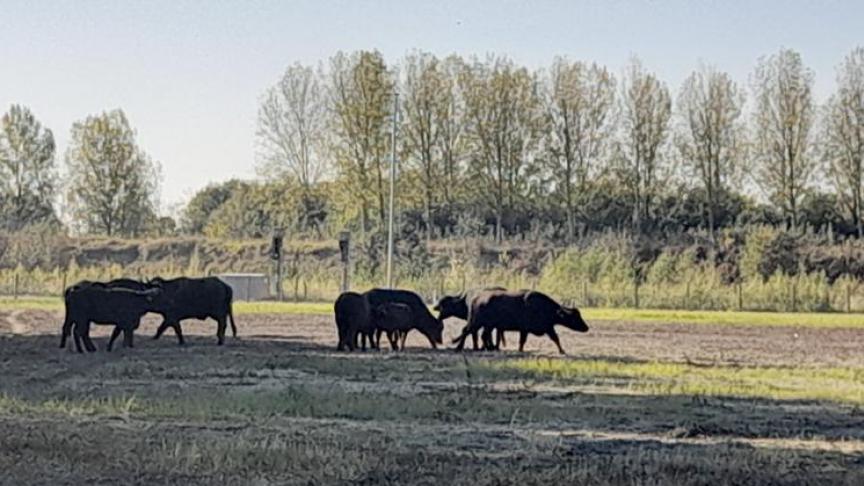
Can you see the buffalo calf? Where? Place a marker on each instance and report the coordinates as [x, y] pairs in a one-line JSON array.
[[394, 319]]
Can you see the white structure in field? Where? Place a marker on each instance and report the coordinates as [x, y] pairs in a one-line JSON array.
[[248, 286]]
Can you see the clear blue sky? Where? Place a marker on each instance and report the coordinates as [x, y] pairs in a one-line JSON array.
[[189, 73]]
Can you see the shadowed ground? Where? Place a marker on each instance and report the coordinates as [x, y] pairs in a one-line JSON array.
[[634, 403]]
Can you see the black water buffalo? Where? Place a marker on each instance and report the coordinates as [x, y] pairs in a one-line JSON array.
[[458, 306], [523, 311], [353, 318], [421, 318], [101, 304], [195, 298], [123, 283], [396, 320]]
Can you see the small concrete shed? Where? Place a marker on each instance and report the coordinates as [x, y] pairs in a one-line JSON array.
[[247, 286]]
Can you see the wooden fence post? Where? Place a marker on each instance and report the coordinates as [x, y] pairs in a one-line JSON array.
[[15, 286], [848, 298], [636, 293], [345, 252]]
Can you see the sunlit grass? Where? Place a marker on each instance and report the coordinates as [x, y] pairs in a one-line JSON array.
[[802, 319], [122, 405], [31, 303], [844, 385]]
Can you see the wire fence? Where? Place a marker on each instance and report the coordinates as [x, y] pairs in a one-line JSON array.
[[786, 294]]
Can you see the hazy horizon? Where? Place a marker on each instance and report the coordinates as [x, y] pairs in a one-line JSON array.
[[189, 74]]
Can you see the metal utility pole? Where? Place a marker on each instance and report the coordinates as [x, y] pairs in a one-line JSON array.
[[392, 190]]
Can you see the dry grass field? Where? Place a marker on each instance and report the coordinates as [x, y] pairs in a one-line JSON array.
[[636, 401]]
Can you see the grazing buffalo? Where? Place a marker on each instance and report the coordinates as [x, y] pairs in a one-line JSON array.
[[100, 304], [523, 311], [195, 298], [421, 318], [353, 318], [458, 306], [396, 320]]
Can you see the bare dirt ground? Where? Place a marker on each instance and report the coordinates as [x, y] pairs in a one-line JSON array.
[[278, 405]]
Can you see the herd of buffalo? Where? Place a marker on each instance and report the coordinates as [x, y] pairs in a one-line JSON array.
[[361, 318], [365, 317]]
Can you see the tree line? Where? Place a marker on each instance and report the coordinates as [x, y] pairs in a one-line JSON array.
[[110, 184], [486, 146]]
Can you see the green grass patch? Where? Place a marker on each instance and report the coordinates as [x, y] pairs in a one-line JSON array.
[[802, 319], [31, 303], [843, 385], [115, 405], [270, 307]]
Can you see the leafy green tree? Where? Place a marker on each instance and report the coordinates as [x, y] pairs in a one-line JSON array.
[[28, 176], [579, 100], [645, 110], [783, 121], [710, 135], [112, 182], [205, 202], [292, 138], [361, 91], [504, 125], [843, 138], [425, 103], [255, 210]]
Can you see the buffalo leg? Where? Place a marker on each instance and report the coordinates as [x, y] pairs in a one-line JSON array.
[[84, 333], [220, 330], [161, 329], [65, 331], [403, 335], [501, 340], [460, 341], [114, 334], [179, 333], [474, 339], [128, 334], [554, 337], [487, 339], [393, 337], [77, 338], [523, 336]]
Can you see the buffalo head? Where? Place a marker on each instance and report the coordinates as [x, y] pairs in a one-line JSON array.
[[451, 306], [571, 318]]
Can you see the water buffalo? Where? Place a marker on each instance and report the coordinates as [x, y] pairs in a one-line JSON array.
[[100, 304], [396, 320], [523, 311], [123, 283], [195, 298], [458, 306], [353, 318], [421, 318]]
